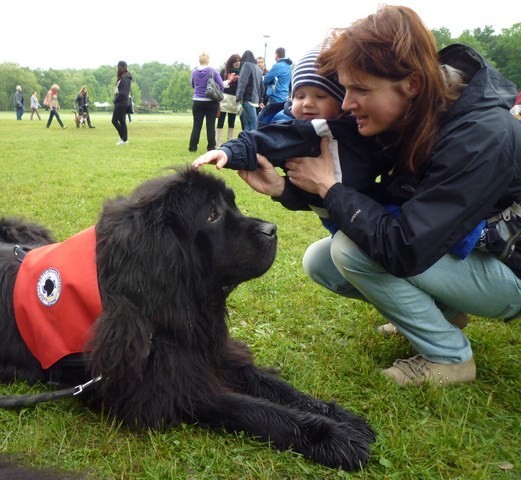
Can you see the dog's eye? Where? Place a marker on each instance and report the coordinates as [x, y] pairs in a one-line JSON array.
[[214, 215]]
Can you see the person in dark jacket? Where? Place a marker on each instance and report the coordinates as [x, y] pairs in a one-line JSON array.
[[122, 102], [19, 102], [450, 156], [318, 98], [249, 90], [82, 101], [229, 104]]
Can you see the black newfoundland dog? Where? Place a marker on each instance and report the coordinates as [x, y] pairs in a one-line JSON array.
[[164, 261]]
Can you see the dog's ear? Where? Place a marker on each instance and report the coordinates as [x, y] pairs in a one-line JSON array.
[[120, 347], [147, 279]]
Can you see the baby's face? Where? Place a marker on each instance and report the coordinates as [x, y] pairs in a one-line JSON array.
[[313, 102]]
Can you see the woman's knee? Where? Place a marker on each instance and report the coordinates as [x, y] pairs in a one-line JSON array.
[[316, 256], [349, 257], [338, 250]]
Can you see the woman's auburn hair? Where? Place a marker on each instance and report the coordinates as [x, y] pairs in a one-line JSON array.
[[394, 43]]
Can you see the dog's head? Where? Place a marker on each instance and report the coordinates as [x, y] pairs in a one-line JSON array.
[[201, 212], [187, 228]]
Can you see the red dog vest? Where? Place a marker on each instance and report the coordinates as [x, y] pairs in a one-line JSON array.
[[56, 297]]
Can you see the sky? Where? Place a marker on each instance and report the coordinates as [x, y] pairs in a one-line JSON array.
[[69, 34]]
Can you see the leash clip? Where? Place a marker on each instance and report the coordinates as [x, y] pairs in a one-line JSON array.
[[20, 252], [79, 388]]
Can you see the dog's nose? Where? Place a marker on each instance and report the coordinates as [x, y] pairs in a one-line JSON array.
[[269, 229]]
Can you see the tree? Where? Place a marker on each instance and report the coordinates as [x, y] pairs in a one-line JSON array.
[[12, 75], [466, 38], [506, 53], [170, 84], [179, 93], [442, 36]]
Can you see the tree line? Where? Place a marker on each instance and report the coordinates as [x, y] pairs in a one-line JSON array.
[[169, 85]]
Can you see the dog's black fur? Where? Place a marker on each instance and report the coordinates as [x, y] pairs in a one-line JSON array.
[[167, 258]]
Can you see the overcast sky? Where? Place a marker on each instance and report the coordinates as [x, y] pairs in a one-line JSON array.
[[71, 34]]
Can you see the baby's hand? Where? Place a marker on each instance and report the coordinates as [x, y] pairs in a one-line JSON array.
[[213, 156]]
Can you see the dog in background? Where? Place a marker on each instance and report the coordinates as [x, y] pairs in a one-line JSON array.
[[80, 118], [166, 258]]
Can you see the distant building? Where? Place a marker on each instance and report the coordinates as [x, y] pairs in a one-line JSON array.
[[149, 103]]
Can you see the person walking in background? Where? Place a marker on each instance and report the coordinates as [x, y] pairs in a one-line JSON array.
[[229, 104], [35, 105], [82, 100], [204, 108], [51, 102], [122, 102], [249, 90], [19, 102], [278, 80]]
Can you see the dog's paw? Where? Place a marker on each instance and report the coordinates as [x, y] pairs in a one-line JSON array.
[[339, 414], [341, 445]]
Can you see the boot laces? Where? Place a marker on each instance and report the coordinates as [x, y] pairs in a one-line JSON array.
[[414, 367]]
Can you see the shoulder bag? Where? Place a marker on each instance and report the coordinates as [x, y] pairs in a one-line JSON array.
[[213, 91]]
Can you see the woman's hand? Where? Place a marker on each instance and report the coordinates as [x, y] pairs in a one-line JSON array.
[[313, 174], [265, 179], [213, 156]]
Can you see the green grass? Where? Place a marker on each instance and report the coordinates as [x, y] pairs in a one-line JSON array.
[[323, 344]]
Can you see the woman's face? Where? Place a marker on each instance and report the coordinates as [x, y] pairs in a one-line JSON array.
[[379, 104]]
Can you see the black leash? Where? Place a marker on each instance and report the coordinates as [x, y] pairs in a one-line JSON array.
[[17, 401]]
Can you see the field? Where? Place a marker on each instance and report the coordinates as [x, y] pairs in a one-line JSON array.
[[323, 344]]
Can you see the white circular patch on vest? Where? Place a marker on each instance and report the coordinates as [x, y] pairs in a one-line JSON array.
[[49, 287]]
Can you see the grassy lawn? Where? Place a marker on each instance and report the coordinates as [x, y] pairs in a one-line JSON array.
[[323, 344]]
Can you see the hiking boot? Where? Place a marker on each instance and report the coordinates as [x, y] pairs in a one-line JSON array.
[[459, 320], [417, 370]]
